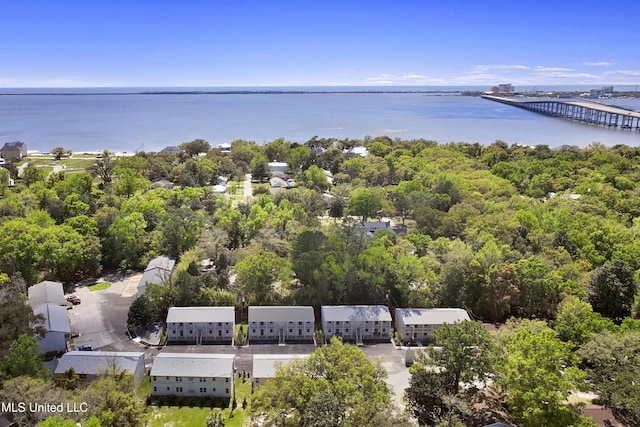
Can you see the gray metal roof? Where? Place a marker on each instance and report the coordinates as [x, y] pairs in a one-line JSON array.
[[281, 314], [97, 362], [46, 292], [162, 262], [193, 365], [201, 314], [265, 365], [355, 312], [431, 316], [158, 270], [56, 318]]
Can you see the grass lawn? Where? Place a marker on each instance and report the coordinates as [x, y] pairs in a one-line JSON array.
[[164, 416], [77, 163], [99, 286]]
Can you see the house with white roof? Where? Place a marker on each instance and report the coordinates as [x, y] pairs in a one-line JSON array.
[[56, 323], [201, 324], [188, 374], [157, 272], [281, 323], [265, 366], [47, 298], [90, 365], [418, 323], [281, 167], [356, 322]]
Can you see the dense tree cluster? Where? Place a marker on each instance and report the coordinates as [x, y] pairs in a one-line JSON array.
[[503, 231]]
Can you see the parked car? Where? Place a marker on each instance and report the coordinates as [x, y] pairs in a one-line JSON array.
[[85, 347], [73, 299]]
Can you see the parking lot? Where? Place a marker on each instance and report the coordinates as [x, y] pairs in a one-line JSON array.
[[101, 321]]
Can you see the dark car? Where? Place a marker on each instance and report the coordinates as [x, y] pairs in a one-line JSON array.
[[85, 347], [73, 299]]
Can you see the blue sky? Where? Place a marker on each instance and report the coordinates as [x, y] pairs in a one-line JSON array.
[[74, 43]]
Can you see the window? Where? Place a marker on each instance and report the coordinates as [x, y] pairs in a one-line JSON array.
[[181, 324], [219, 323], [203, 380], [155, 388], [181, 332], [226, 390], [337, 322], [179, 389], [226, 331], [190, 331], [173, 331], [226, 380], [168, 389], [261, 323], [290, 331], [203, 389], [154, 377], [210, 331], [270, 331], [219, 332], [253, 331], [307, 330], [179, 379], [167, 377], [299, 323]]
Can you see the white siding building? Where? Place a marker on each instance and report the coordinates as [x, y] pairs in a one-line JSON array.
[[356, 322], [420, 322], [200, 324], [280, 323], [56, 323], [47, 298], [188, 374], [91, 364], [265, 366]]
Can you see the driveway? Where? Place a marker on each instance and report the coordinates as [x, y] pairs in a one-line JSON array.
[[101, 319]]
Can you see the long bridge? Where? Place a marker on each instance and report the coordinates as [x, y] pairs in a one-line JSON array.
[[579, 110]]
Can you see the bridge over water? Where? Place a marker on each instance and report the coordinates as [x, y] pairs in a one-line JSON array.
[[580, 110]]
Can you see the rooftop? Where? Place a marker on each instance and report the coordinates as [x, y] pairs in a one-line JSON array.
[[431, 316], [281, 313], [46, 292], [201, 314], [56, 318], [193, 365], [97, 362], [265, 365], [356, 312]]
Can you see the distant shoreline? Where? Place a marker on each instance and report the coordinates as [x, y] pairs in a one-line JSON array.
[[251, 92]]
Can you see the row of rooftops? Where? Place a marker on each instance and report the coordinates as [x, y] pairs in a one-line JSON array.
[[432, 316]]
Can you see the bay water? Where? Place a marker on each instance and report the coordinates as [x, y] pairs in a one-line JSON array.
[[138, 119]]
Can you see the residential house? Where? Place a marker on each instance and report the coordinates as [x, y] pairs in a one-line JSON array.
[[265, 366], [225, 148], [188, 374], [47, 298], [281, 167], [354, 152], [418, 323], [157, 272], [46, 292], [90, 365], [13, 151], [58, 329], [172, 149], [356, 322], [373, 226], [201, 324], [281, 323]]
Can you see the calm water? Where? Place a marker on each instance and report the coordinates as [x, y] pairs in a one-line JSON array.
[[133, 121]]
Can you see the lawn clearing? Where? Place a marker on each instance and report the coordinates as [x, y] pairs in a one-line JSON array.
[[161, 416], [99, 286]]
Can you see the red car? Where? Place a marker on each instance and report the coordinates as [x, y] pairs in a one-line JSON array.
[[73, 299]]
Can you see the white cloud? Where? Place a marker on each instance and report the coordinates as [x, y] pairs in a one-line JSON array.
[[598, 64]]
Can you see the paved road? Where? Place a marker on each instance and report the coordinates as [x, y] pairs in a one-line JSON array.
[[247, 191]]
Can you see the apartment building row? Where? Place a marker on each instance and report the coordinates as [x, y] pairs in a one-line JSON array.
[[289, 324]]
